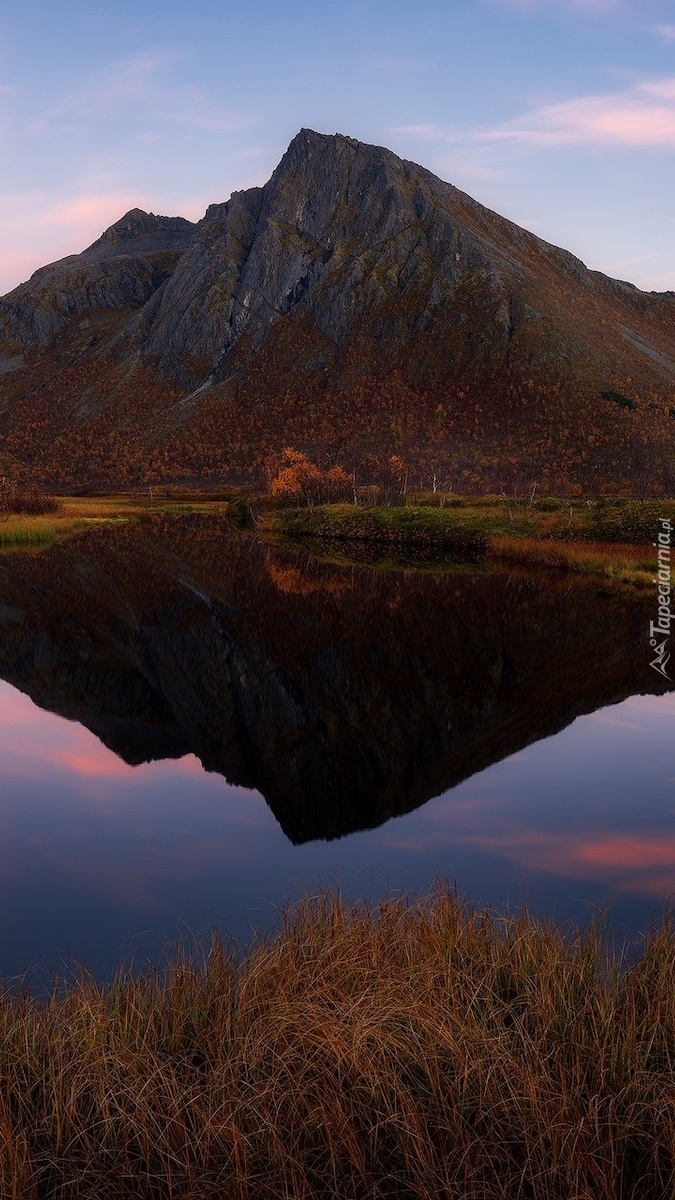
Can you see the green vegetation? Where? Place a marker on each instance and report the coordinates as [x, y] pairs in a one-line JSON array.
[[391, 526], [634, 521], [26, 533], [70, 515], [420, 1049], [608, 536]]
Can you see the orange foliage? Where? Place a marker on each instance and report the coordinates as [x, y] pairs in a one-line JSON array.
[[299, 479]]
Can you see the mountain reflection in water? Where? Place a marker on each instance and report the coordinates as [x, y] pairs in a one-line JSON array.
[[344, 695]]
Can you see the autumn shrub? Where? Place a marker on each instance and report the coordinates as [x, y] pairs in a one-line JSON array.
[[24, 498]]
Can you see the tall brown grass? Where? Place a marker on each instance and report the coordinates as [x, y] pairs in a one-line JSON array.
[[419, 1050], [618, 562]]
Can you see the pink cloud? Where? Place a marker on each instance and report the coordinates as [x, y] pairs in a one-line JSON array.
[[34, 742], [629, 862], [34, 230], [95, 212], [639, 116], [97, 762], [589, 8], [633, 852], [665, 32], [54, 230], [15, 707]]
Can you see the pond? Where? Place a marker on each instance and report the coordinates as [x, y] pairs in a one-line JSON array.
[[197, 727]]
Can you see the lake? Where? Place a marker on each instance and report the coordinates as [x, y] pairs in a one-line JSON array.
[[197, 727]]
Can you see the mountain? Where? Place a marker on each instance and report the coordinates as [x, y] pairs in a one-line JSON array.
[[344, 695], [354, 307]]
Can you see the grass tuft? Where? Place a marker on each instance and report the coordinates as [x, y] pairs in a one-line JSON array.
[[26, 532], [420, 1049]]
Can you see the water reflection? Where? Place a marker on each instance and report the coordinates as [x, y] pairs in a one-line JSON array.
[[344, 697]]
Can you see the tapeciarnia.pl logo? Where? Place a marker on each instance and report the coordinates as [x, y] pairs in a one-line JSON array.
[[659, 630]]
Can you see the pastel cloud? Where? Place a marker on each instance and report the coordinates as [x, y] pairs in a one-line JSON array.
[[630, 852], [638, 117], [34, 743], [32, 225], [95, 761], [626, 862], [642, 116], [665, 32], [589, 8]]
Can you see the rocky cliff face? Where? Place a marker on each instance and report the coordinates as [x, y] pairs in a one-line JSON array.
[[350, 273], [349, 232], [345, 696]]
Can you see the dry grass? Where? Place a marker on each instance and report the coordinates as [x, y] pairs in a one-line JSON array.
[[19, 533], [620, 563], [422, 1050], [74, 514]]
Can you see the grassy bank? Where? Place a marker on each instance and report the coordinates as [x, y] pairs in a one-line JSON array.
[[27, 533], [72, 515], [609, 537], [408, 526], [420, 1050], [605, 536]]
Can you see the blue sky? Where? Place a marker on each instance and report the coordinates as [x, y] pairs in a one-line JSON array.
[[560, 114]]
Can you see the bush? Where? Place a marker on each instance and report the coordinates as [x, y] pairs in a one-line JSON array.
[[24, 498], [636, 523]]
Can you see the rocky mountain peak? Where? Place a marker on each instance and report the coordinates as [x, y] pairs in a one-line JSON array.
[[141, 232], [358, 295]]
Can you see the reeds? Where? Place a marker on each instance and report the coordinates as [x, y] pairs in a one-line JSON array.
[[418, 1050]]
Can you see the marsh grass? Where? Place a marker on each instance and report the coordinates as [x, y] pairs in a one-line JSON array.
[[20, 533], [616, 562], [419, 1049]]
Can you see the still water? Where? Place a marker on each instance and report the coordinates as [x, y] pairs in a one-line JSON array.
[[196, 728]]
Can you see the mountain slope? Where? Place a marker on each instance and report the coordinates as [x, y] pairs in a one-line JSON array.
[[356, 306]]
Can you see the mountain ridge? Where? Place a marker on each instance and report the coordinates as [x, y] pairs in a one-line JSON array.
[[404, 316]]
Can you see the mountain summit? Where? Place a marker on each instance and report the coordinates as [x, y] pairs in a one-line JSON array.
[[354, 307]]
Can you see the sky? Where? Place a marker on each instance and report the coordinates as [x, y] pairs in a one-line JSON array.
[[559, 114]]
